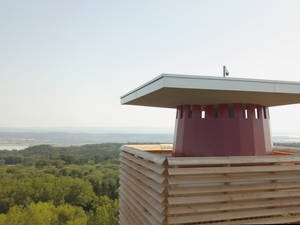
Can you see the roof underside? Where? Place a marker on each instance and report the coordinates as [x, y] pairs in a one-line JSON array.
[[173, 90]]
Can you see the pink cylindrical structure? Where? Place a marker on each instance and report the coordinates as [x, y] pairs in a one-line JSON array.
[[222, 130]]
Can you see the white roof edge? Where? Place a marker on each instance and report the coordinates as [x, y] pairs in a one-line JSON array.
[[181, 81], [143, 85], [207, 77], [226, 78]]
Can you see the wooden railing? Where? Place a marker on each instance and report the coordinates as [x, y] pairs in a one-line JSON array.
[[143, 188], [159, 189]]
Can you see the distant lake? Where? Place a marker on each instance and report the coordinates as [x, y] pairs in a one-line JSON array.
[[12, 147]]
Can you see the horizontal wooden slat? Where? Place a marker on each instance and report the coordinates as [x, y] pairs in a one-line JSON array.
[[135, 195], [154, 214], [231, 197], [131, 214], [123, 220], [158, 159], [269, 220], [197, 161], [232, 188], [159, 188], [153, 148], [214, 207], [232, 215], [152, 166], [154, 176], [134, 210], [126, 208], [238, 169], [144, 194], [126, 219], [129, 210], [210, 190], [147, 216], [231, 178], [157, 196]]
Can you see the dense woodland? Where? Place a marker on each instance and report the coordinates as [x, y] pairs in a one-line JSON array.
[[45, 185]]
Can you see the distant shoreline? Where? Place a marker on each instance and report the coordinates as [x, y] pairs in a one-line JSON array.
[[21, 140], [22, 147]]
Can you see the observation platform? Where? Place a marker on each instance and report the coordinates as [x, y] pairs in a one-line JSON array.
[[157, 188], [172, 90], [217, 116]]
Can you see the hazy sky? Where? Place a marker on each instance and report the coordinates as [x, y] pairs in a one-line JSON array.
[[66, 63]]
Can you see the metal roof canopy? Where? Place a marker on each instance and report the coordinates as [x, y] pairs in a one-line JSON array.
[[171, 90]]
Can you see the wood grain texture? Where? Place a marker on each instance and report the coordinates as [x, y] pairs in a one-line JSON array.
[[163, 190]]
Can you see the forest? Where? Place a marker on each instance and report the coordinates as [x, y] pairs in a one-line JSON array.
[[46, 185]]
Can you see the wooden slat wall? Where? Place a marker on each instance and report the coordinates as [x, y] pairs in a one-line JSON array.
[[143, 188], [163, 190], [234, 190]]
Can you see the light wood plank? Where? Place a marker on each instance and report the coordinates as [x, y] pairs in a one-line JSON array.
[[239, 169], [232, 188], [158, 159], [231, 197], [125, 219], [232, 215], [152, 166], [254, 188], [214, 207], [194, 161], [139, 189], [157, 196], [132, 210], [126, 210], [269, 220], [131, 214], [146, 215], [152, 211], [154, 176], [159, 188], [230, 178]]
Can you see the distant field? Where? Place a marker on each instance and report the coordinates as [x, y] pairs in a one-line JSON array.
[[21, 140]]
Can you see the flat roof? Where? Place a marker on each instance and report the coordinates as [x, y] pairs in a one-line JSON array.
[[171, 90]]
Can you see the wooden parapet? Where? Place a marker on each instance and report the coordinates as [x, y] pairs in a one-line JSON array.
[[158, 189], [143, 187]]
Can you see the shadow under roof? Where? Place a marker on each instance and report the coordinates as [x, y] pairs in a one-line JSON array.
[[170, 90]]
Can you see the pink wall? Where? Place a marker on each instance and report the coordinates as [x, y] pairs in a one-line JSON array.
[[226, 130]]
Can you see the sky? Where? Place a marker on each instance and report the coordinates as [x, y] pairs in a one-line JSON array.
[[65, 63]]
